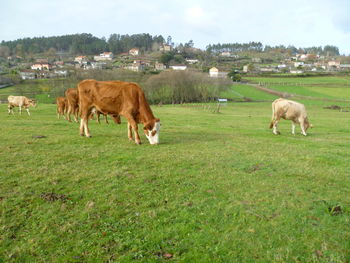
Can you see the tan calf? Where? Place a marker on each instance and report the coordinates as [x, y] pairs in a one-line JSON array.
[[289, 110], [21, 102]]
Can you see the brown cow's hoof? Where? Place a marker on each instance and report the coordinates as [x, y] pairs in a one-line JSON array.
[[138, 143]]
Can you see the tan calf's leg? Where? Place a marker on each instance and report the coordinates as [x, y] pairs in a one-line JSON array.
[[302, 128], [293, 128], [275, 127]]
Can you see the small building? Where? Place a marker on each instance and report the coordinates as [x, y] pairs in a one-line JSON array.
[[215, 73], [225, 54], [159, 66], [165, 48], [27, 74], [298, 64], [179, 67], [296, 71], [192, 61], [80, 59], [334, 64], [98, 65], [137, 66], [41, 66], [134, 51], [104, 56]]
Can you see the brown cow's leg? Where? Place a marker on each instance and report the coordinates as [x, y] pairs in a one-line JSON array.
[[76, 110], [84, 129], [133, 124], [81, 129], [98, 117], [69, 112], [106, 120], [130, 132]]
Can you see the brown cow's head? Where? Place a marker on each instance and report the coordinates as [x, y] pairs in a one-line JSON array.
[[151, 131]]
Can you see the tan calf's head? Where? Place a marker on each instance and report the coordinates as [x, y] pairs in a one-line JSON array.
[[32, 103], [307, 124], [151, 131]]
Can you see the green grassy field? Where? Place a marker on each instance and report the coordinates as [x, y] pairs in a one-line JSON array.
[[219, 188]]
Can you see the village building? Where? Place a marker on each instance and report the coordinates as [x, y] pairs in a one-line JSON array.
[[104, 56], [334, 64], [41, 66], [134, 51], [165, 48], [159, 66], [178, 67], [216, 73], [80, 59], [225, 54], [27, 74]]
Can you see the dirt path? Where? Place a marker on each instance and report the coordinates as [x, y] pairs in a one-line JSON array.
[[291, 95]]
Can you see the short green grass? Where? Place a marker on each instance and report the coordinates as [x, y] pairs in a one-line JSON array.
[[219, 188]]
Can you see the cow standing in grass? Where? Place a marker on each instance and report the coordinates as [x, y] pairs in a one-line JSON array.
[[118, 98], [289, 110], [72, 103], [21, 102], [61, 107]]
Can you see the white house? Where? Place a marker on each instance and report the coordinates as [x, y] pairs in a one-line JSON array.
[[178, 67], [134, 51], [191, 61], [104, 56], [298, 64], [80, 59], [159, 66], [215, 73], [41, 66]]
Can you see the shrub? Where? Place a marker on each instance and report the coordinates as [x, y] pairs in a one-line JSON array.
[[183, 86]]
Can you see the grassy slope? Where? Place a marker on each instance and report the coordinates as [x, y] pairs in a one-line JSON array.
[[219, 188]]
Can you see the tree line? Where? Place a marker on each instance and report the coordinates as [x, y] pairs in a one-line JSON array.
[[76, 44], [327, 50]]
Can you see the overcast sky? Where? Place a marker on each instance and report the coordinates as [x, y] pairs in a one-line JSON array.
[[302, 23]]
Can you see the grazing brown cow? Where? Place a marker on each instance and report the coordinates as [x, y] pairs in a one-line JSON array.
[[118, 98], [19, 101], [289, 110], [61, 107], [73, 103]]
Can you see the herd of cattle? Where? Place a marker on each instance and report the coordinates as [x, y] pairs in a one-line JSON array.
[[118, 98]]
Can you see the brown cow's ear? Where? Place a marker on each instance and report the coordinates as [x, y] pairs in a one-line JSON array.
[[147, 127], [157, 120]]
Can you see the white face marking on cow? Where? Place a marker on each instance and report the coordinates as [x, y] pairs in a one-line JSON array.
[[154, 139]]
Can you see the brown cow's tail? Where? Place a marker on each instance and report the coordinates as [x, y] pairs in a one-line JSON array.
[[273, 115]]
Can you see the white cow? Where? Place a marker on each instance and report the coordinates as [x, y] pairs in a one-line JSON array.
[[19, 101], [289, 110]]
